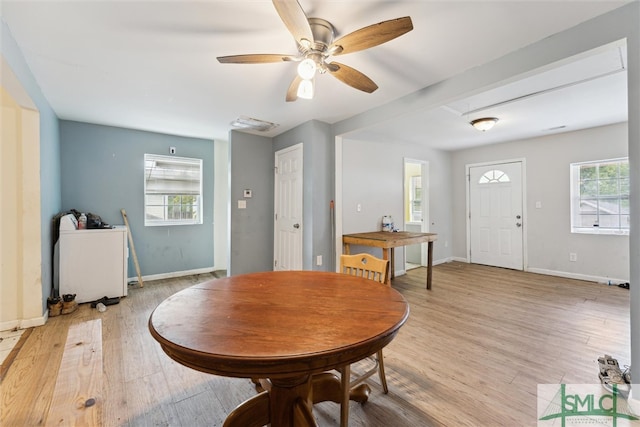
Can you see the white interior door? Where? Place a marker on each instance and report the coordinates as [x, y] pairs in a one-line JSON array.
[[496, 215], [287, 251]]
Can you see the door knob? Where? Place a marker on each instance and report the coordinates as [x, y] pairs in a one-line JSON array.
[[296, 225]]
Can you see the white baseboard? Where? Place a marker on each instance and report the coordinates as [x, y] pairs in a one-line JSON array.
[[577, 276], [566, 274], [173, 274], [435, 262], [24, 323]]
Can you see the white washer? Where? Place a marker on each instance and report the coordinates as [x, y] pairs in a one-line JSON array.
[[91, 263]]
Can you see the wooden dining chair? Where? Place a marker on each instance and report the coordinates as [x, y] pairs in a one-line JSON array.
[[369, 267]]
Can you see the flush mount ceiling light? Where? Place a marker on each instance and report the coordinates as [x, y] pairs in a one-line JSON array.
[[245, 122], [484, 123]]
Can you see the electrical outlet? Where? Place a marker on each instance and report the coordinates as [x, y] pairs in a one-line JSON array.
[[319, 260], [573, 257]]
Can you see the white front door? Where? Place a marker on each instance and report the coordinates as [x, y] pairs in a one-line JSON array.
[[287, 251], [496, 215]]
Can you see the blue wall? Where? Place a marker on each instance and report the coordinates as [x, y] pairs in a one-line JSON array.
[[103, 172], [50, 201]]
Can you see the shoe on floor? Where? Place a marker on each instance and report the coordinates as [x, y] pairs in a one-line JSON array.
[[69, 303], [55, 306], [610, 375]]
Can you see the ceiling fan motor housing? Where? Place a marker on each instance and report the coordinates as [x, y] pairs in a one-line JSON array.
[[323, 34]]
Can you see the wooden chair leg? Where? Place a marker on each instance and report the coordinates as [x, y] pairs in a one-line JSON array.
[[345, 379], [383, 377]]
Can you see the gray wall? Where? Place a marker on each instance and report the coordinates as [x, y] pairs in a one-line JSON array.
[[548, 229], [252, 163], [318, 189], [251, 229], [373, 176], [50, 200], [103, 172]]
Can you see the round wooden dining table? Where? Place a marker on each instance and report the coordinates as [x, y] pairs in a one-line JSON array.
[[286, 327]]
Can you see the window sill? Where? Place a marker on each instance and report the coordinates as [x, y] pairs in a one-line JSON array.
[[171, 223], [602, 231]]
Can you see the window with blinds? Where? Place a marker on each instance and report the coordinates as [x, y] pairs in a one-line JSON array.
[[172, 190]]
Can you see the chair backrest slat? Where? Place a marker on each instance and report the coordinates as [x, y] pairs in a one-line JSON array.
[[364, 265]]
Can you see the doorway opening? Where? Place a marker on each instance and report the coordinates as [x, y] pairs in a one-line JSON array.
[[416, 208]]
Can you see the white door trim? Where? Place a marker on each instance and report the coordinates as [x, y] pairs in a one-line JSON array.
[[523, 161]]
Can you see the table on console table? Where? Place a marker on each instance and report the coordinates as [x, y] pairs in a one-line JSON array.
[[289, 327], [388, 240]]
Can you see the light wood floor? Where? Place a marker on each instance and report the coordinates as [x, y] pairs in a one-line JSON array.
[[471, 354]]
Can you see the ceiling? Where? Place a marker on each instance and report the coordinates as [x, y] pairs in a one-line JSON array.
[[151, 65]]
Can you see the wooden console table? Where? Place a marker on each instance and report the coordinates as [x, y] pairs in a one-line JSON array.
[[390, 240]]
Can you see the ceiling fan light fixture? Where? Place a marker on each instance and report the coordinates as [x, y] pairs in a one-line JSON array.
[[307, 68], [484, 124], [305, 89]]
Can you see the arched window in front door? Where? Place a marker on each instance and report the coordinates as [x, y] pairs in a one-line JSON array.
[[493, 177]]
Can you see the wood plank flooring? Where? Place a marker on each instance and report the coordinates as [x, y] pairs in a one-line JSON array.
[[471, 354]]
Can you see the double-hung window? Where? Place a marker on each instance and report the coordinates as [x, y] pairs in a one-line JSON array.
[[600, 197], [172, 190]]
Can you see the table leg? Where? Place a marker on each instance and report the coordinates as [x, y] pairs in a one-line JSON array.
[[290, 399], [327, 387], [385, 256], [429, 263], [253, 412], [287, 402]]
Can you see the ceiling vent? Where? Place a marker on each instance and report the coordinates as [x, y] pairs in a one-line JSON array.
[[245, 122]]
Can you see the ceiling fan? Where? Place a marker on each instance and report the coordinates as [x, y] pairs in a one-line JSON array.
[[314, 39]]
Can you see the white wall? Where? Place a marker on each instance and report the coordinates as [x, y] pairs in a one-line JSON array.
[[221, 205], [549, 240], [373, 176], [20, 243]]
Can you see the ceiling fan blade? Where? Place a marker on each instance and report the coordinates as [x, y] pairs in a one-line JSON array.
[[351, 77], [371, 36], [295, 20], [292, 92], [258, 58]]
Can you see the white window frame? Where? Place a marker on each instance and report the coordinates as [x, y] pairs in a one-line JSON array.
[[415, 185], [187, 176], [577, 197]]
